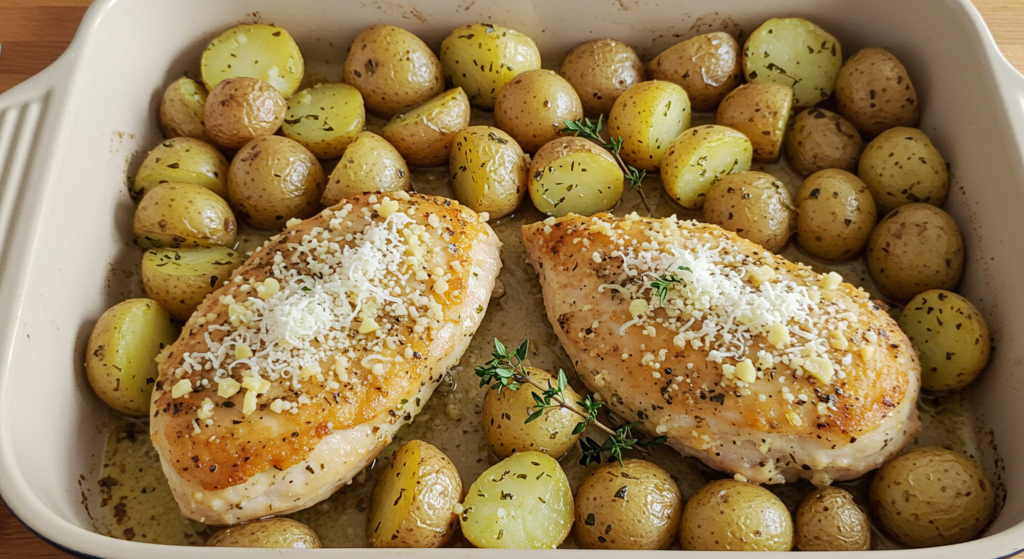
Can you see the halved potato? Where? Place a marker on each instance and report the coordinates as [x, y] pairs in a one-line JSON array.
[[181, 110], [706, 66], [325, 118], [424, 135], [699, 158], [482, 58], [264, 52], [488, 170], [369, 164], [574, 175], [648, 117], [797, 53], [177, 214], [183, 160], [759, 110], [180, 278]]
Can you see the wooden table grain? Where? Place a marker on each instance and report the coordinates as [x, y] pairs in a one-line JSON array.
[[33, 33]]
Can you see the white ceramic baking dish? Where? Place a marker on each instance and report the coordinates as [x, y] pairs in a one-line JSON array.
[[68, 136]]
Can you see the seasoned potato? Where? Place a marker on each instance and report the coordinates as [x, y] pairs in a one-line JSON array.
[[901, 166], [635, 505], [915, 248], [270, 533], [820, 139], [369, 164], [522, 502], [177, 214], [835, 215], [932, 496], [574, 175], [183, 160], [180, 278], [600, 71], [874, 92], [393, 69], [730, 515], [424, 135], [950, 336], [760, 111], [274, 179], [265, 52], [706, 66], [828, 519], [534, 107], [120, 358], [699, 158], [325, 118], [240, 110], [482, 58], [648, 117], [488, 170], [796, 53], [182, 110], [755, 206], [414, 500]]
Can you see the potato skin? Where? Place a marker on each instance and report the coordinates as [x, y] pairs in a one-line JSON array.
[[901, 166], [635, 505], [393, 69], [828, 519], [503, 417], [240, 110], [760, 110], [325, 118], [534, 106], [915, 248], [600, 71], [835, 215], [706, 66], [932, 496], [268, 533], [951, 338], [273, 179], [874, 92], [820, 139], [730, 515], [488, 170], [796, 53], [594, 184], [482, 58], [180, 278], [648, 117], [424, 134], [182, 109], [755, 206], [177, 214], [369, 164], [182, 160]]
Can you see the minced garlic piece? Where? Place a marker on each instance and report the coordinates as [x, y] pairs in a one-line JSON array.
[[249, 402], [307, 372], [838, 340], [832, 280], [256, 384], [484, 216], [242, 351], [745, 371], [368, 325], [794, 418], [292, 222], [867, 352], [386, 207], [761, 275], [227, 387], [819, 368], [277, 406], [778, 336], [182, 387], [638, 307], [205, 409], [440, 287]]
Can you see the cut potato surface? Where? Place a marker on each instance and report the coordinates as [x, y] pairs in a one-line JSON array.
[[574, 175], [369, 164], [699, 158], [260, 51], [488, 170], [325, 118], [177, 214], [180, 278], [482, 58], [183, 160], [950, 336], [648, 117], [796, 53], [759, 110], [424, 135]]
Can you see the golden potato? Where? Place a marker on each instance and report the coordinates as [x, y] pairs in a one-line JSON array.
[[180, 278], [600, 71], [274, 179], [699, 158], [795, 53], [828, 519], [268, 533], [835, 215], [325, 118], [482, 58], [901, 166], [182, 109], [120, 357], [950, 336], [393, 69], [488, 170], [730, 515], [574, 175], [760, 111], [932, 496], [635, 505], [534, 107], [648, 117], [874, 92], [265, 52], [177, 214], [706, 66], [755, 206], [183, 160], [424, 135], [369, 164], [239, 110], [820, 139]]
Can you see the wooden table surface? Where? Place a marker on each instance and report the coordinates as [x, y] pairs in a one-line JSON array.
[[33, 33]]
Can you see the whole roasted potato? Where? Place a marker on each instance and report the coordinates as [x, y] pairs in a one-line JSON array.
[[534, 106], [699, 158], [760, 111], [183, 160], [932, 496], [274, 179], [177, 214], [635, 505], [180, 278], [325, 118], [182, 110], [648, 117], [240, 110], [835, 215], [795, 53], [874, 92], [393, 69], [424, 135], [755, 206], [820, 139], [915, 248], [265, 52], [488, 170], [482, 58], [950, 336], [414, 500], [901, 166], [600, 71], [828, 519], [730, 515], [269, 533], [706, 66], [369, 164]]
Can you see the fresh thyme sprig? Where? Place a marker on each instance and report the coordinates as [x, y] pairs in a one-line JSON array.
[[665, 282], [591, 130]]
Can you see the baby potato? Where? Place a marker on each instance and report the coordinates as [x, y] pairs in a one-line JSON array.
[[274, 179], [835, 215], [635, 505], [177, 214], [950, 336], [325, 118], [915, 248], [759, 110], [183, 160], [534, 107], [393, 69], [874, 92], [932, 496], [755, 206], [120, 357], [414, 500], [730, 515], [488, 170], [424, 135], [820, 139], [828, 519], [648, 117], [901, 166], [706, 66], [482, 58], [600, 71], [240, 110], [796, 53], [522, 502], [699, 158], [268, 533], [182, 109], [574, 175], [180, 278], [265, 52], [369, 164]]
